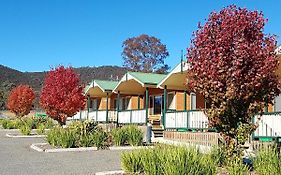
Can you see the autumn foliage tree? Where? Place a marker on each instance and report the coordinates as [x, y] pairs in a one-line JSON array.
[[20, 100], [61, 95], [234, 66], [145, 53]]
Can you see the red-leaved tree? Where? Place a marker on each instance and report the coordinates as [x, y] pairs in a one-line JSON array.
[[20, 100], [233, 65], [61, 95]]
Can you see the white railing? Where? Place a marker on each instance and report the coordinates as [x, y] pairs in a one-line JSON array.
[[269, 125], [186, 119], [100, 116], [197, 119], [176, 120], [132, 116], [80, 115]]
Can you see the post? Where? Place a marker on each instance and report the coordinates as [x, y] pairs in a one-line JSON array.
[[88, 106], [184, 100], [118, 99], [138, 102], [146, 105], [164, 107], [106, 107]]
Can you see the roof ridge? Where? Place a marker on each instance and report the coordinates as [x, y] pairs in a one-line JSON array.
[[146, 73]]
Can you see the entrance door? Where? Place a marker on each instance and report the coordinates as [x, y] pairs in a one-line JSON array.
[[157, 104]]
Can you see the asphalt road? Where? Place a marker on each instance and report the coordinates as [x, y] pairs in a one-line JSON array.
[[16, 158]]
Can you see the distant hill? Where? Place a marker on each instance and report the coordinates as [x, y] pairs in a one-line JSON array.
[[35, 79]]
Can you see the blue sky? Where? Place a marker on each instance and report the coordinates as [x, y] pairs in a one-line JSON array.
[[37, 34]]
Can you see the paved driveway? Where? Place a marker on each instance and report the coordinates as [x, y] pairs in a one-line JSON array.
[[17, 158]]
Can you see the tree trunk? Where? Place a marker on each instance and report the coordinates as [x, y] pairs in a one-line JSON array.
[[62, 119]]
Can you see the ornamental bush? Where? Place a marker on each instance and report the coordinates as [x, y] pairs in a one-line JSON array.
[[168, 160], [78, 134], [130, 134]]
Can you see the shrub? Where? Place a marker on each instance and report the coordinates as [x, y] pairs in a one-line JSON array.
[[127, 135], [86, 140], [135, 135], [40, 129], [218, 155], [5, 124], [119, 136], [100, 137], [53, 136], [78, 134], [67, 138], [236, 167], [25, 129], [267, 162], [168, 160], [132, 162]]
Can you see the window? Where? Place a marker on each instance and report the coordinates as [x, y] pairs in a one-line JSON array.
[[193, 101], [171, 101]]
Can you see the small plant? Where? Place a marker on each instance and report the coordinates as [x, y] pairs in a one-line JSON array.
[[53, 136], [5, 123], [67, 138], [218, 155], [100, 137], [132, 162], [168, 160], [25, 129], [236, 167], [127, 134], [267, 162], [78, 134], [40, 129], [135, 135], [119, 136]]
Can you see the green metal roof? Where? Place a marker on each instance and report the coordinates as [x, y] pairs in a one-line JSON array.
[[106, 85], [148, 78]]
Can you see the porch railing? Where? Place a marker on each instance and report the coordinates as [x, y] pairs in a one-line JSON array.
[[100, 115], [132, 116], [186, 119], [80, 115], [269, 125]]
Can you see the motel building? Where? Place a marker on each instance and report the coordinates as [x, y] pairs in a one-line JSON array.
[[163, 101]]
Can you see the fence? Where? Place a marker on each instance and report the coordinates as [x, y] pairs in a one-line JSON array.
[[269, 125], [196, 138], [186, 119], [100, 116], [132, 116]]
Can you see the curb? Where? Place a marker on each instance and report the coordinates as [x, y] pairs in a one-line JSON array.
[[113, 148], [35, 147], [1, 129], [119, 172], [58, 150], [25, 136]]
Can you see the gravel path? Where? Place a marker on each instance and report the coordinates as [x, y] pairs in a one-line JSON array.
[[17, 158]]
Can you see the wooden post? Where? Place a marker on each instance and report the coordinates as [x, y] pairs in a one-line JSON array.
[[146, 104], [138, 102], [164, 107], [118, 102], [88, 106], [106, 107], [184, 100]]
